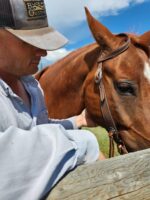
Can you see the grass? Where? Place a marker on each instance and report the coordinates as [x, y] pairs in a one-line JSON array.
[[103, 140]]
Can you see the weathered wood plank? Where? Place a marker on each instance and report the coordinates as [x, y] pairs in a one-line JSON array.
[[122, 177]]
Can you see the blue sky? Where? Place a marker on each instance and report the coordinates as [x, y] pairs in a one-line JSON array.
[[68, 17]]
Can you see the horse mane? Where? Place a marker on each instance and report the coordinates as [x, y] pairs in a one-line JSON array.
[[85, 50], [78, 53], [40, 73], [135, 40], [74, 55]]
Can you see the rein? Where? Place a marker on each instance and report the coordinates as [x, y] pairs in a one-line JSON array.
[[106, 113]]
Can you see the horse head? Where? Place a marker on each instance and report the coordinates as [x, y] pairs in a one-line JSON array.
[[126, 81], [110, 78]]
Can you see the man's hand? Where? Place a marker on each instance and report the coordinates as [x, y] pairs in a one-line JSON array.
[[84, 119]]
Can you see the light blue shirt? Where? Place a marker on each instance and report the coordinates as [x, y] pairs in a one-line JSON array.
[[35, 151]]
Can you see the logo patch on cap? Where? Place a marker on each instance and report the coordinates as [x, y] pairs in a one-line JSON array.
[[35, 9]]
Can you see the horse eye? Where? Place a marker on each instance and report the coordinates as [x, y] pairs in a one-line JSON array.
[[126, 88]]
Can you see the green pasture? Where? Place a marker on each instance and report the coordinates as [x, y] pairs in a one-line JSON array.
[[103, 139]]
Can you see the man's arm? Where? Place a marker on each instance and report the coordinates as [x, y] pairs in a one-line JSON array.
[[32, 161], [76, 122]]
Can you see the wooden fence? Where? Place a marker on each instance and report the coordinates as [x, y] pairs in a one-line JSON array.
[[119, 178]]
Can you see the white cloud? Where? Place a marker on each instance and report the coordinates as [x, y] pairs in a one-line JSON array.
[[68, 17], [53, 56], [66, 13]]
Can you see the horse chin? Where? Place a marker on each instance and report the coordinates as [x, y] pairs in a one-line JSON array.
[[128, 140], [132, 141]]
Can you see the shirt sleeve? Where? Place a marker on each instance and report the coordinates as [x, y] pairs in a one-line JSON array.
[[32, 161], [66, 123]]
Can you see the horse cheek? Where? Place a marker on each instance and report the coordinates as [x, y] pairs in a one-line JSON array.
[[92, 103]]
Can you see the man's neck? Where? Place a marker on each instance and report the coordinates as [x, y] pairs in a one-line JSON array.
[[9, 78], [17, 87]]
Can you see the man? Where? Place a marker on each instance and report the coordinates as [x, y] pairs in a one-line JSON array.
[[35, 152]]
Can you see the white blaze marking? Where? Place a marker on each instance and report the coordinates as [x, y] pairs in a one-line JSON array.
[[147, 71]]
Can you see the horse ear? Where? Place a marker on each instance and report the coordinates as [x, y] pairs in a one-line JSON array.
[[101, 34], [145, 38]]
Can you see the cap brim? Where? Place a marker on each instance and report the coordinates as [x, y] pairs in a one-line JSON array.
[[45, 38]]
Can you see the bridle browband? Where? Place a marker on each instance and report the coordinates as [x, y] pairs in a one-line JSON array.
[[106, 113]]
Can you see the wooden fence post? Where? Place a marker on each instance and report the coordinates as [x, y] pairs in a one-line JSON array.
[[119, 178]]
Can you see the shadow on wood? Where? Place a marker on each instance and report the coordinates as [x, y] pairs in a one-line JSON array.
[[122, 177]]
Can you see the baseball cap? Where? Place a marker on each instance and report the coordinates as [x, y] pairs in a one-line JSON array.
[[27, 20]]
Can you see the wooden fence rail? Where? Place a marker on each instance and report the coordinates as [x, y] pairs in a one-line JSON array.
[[119, 178]]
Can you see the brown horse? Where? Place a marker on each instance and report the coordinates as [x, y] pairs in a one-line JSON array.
[[121, 95]]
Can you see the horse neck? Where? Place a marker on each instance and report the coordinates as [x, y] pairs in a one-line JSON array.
[[72, 72], [73, 69]]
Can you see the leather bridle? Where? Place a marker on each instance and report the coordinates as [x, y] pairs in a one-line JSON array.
[[106, 113]]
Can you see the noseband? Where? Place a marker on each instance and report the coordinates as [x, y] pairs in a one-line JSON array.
[[106, 113]]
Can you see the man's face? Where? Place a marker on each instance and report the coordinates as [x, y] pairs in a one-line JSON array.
[[17, 57]]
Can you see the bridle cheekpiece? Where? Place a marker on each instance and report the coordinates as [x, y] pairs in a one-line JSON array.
[[106, 113]]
